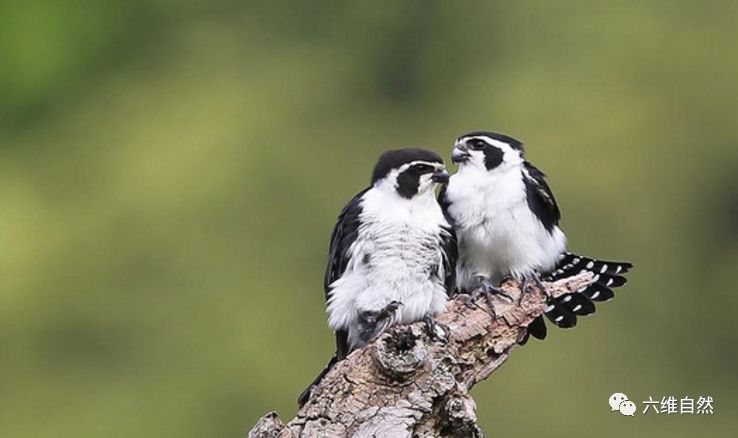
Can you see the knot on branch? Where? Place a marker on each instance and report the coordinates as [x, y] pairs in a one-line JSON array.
[[270, 426], [399, 354], [459, 416]]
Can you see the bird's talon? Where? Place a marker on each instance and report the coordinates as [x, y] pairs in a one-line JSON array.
[[507, 296], [433, 327], [389, 310], [484, 289], [469, 302]]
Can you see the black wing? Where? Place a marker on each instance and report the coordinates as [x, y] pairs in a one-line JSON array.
[[543, 204], [344, 234], [450, 245], [540, 197]]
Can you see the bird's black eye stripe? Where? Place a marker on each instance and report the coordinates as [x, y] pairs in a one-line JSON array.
[[422, 168], [477, 144]]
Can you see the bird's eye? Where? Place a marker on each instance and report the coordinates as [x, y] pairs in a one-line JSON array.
[[477, 144], [423, 168]]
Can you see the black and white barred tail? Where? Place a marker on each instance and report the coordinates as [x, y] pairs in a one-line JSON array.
[[563, 311]]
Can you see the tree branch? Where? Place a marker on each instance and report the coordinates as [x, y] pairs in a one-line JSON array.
[[407, 384]]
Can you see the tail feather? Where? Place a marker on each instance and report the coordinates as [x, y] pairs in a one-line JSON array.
[[571, 264], [560, 314], [610, 281], [578, 304], [563, 311], [305, 396], [537, 329]]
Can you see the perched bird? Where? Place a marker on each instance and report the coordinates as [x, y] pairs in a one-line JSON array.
[[391, 254], [507, 225]]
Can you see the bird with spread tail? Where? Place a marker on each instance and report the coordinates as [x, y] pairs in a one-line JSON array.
[[506, 221]]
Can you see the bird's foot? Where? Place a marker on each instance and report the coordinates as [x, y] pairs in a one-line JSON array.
[[373, 323], [437, 331], [389, 311], [485, 288], [532, 279]]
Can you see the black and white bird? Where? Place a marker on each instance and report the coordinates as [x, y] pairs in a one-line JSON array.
[[392, 252], [507, 225]]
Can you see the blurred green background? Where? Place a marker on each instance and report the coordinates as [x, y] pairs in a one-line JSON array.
[[170, 173]]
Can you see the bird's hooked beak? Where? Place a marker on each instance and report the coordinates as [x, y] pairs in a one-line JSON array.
[[441, 176], [460, 154]]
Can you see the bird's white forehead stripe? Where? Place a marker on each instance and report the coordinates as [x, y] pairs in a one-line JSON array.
[[488, 140], [429, 163]]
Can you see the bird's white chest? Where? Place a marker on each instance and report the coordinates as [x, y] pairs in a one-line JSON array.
[[397, 256], [498, 233], [477, 198]]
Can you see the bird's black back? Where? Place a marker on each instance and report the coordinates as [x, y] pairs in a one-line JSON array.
[[344, 235], [540, 197]]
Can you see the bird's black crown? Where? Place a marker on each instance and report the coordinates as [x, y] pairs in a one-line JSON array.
[[513, 142], [395, 158]]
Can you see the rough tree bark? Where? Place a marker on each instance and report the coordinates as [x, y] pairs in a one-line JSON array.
[[409, 384]]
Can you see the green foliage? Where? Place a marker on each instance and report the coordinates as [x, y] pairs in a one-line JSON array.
[[170, 174]]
